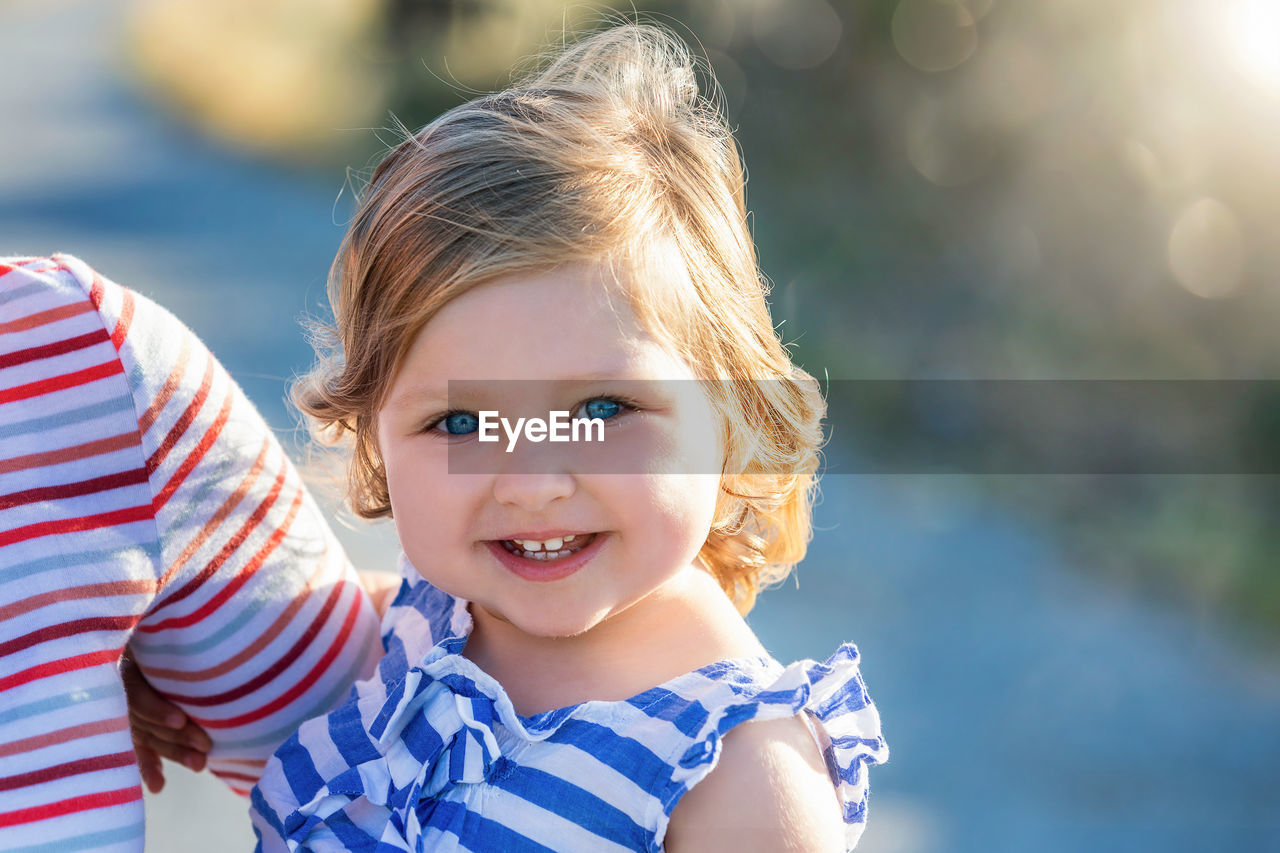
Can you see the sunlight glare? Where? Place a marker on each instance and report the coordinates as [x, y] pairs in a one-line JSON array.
[[1253, 32]]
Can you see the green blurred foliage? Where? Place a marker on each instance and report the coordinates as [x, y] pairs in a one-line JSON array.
[[983, 188]]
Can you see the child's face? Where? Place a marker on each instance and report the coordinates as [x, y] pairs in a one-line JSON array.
[[640, 530]]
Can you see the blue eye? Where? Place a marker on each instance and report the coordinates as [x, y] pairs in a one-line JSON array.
[[457, 423], [603, 408]]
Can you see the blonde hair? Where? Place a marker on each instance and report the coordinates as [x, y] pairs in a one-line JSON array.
[[607, 153]]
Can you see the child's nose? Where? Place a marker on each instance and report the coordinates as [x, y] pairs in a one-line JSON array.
[[532, 492]]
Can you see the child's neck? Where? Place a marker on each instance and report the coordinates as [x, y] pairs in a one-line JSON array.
[[687, 623]]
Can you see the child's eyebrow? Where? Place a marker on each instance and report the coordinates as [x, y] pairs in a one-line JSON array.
[[598, 376], [419, 394], [416, 396]]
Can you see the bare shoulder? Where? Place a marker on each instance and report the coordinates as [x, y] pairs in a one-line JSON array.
[[769, 792]]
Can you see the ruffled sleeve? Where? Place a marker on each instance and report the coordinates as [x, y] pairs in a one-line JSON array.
[[834, 698], [418, 618], [359, 779]]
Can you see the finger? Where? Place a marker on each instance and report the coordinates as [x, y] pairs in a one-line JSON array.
[[190, 735], [150, 768], [190, 758], [161, 713], [145, 702]]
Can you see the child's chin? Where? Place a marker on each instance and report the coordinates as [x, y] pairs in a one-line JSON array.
[[557, 625]]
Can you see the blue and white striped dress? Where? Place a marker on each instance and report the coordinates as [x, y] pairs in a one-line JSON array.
[[431, 755]]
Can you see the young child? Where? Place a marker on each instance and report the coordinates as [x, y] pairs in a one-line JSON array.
[[567, 664]]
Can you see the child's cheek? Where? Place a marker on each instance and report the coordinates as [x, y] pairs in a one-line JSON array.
[[685, 505], [651, 443]]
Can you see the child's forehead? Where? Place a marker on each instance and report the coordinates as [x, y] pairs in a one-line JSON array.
[[575, 322], [551, 296], [630, 296]]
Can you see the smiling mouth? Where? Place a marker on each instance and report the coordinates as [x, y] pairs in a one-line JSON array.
[[549, 550]]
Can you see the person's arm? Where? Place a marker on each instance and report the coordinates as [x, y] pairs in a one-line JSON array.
[[255, 620], [162, 730], [768, 793]]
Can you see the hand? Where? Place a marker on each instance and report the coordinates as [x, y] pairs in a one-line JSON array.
[[159, 728]]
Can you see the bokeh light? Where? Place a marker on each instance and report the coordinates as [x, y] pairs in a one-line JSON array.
[[934, 35], [1206, 253], [796, 34], [944, 144]]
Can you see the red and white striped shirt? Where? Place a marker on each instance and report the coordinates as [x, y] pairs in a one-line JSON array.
[[144, 500]]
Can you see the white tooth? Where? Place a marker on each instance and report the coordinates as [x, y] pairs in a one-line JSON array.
[[571, 537], [530, 545], [553, 544], [541, 555]]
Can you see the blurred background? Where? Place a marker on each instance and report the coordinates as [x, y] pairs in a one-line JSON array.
[[940, 189]]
